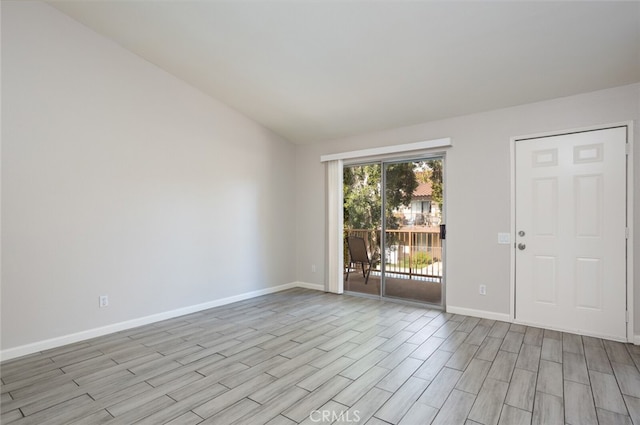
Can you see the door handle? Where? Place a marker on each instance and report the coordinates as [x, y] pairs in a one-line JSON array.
[[521, 246]]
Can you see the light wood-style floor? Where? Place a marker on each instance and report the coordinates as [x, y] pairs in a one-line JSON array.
[[300, 356]]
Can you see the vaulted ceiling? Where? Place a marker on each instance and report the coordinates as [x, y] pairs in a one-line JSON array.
[[318, 70]]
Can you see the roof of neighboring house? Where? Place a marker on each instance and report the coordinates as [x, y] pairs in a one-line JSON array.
[[423, 190]]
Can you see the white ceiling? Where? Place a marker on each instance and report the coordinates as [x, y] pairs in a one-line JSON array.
[[318, 70]]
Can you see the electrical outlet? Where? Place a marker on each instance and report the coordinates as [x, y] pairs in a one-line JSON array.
[[504, 238], [313, 268], [103, 301], [483, 290]]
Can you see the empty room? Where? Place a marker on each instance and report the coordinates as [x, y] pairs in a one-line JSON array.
[[317, 212]]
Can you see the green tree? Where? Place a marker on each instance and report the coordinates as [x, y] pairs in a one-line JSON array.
[[401, 183], [363, 196], [435, 165]]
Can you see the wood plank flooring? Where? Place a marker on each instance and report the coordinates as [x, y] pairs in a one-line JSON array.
[[307, 357]]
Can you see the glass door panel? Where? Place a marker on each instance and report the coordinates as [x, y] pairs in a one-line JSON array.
[[362, 228], [413, 204]]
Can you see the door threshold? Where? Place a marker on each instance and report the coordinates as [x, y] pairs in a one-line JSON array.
[[396, 300]]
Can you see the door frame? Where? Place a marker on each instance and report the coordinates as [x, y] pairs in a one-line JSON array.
[[629, 211], [387, 159]]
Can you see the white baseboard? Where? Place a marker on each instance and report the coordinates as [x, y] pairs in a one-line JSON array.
[[483, 314], [314, 286], [636, 340], [47, 344]]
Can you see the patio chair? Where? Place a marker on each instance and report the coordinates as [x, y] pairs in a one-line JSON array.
[[358, 254]]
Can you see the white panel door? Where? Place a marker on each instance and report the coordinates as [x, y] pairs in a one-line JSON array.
[[570, 232]]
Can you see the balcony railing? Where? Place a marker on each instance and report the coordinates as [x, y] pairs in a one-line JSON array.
[[411, 252]]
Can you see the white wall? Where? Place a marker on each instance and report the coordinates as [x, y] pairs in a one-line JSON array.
[[119, 179], [477, 174]]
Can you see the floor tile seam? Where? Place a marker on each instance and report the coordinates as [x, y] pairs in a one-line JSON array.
[[593, 398], [622, 394], [33, 398], [611, 411], [54, 405], [535, 391], [69, 379], [359, 398]]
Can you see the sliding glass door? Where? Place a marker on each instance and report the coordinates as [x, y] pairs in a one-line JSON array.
[[392, 235]]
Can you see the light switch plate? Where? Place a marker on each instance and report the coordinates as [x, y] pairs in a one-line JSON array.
[[504, 238]]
